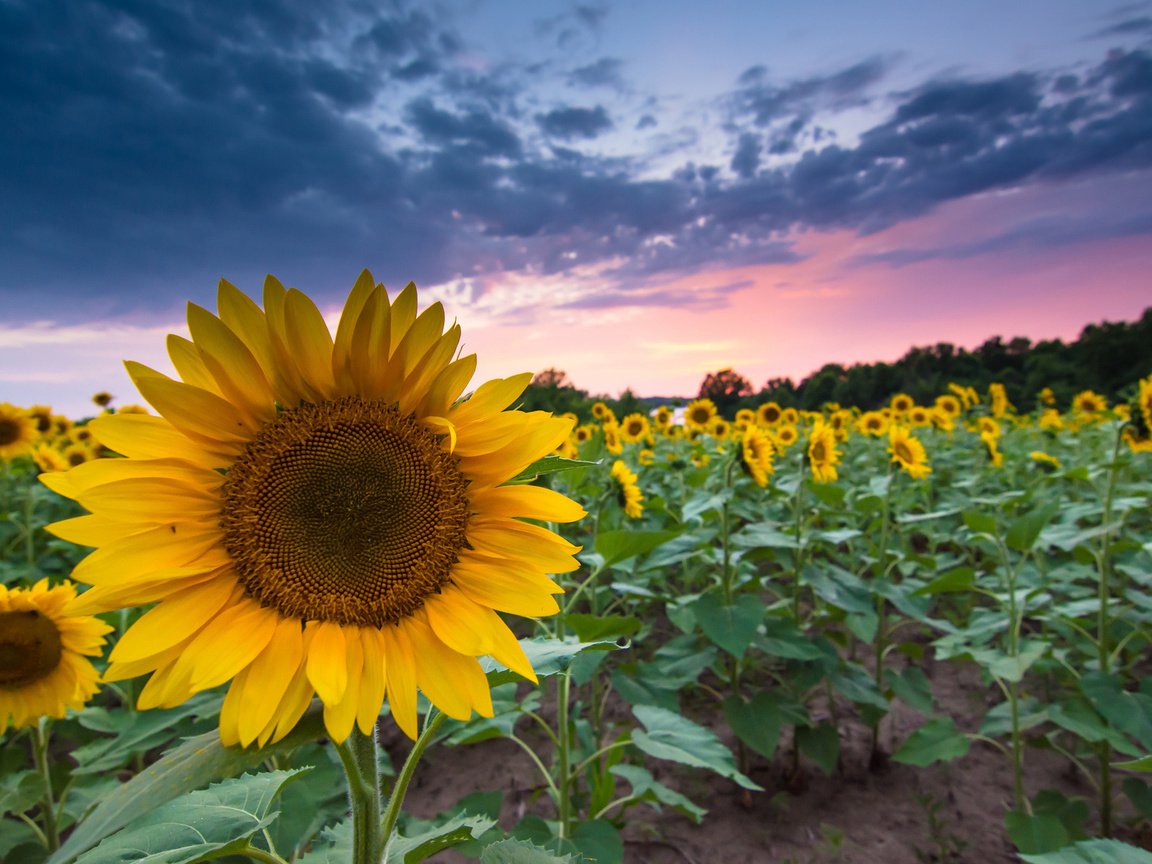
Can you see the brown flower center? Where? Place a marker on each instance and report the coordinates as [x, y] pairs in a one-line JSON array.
[[9, 431], [30, 648], [345, 511]]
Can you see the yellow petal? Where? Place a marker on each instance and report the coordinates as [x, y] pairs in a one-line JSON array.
[[159, 585], [461, 624], [142, 436], [372, 681], [530, 502], [172, 621], [270, 675], [91, 530], [403, 314], [159, 548], [342, 358], [248, 322], [292, 707], [400, 674], [216, 652], [519, 541], [491, 397], [310, 341], [519, 592], [453, 682], [339, 718], [238, 375], [327, 665], [199, 414], [153, 501], [189, 364], [449, 384]]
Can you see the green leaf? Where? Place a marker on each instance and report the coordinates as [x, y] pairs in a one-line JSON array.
[[1092, 852], [137, 731], [192, 765], [1024, 530], [821, 744], [521, 852], [757, 722], [617, 546], [1008, 667], [20, 791], [550, 465], [763, 535], [646, 788], [1036, 832], [938, 740], [195, 825], [548, 657], [332, 846], [981, 523], [731, 627], [597, 628], [599, 840], [1143, 765], [913, 688], [677, 739], [459, 829], [956, 579], [1129, 712]]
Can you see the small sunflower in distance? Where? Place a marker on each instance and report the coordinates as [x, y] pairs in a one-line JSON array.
[[822, 453], [628, 493], [699, 413], [907, 452], [43, 670], [319, 515], [18, 432]]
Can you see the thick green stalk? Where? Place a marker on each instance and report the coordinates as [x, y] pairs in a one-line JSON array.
[[396, 800], [881, 646], [798, 552], [564, 753], [40, 742], [358, 755]]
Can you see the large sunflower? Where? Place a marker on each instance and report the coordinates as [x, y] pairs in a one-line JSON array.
[[42, 649], [756, 454], [822, 453], [628, 493], [319, 516]]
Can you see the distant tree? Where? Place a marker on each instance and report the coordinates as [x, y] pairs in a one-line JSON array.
[[551, 390], [726, 388], [628, 403]]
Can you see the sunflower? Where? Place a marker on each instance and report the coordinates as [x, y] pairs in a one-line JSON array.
[[1142, 410], [628, 494], [48, 458], [872, 423], [785, 437], [1089, 402], [1051, 421], [1046, 396], [949, 404], [584, 433], [635, 428], [988, 426], [901, 403], [769, 414], [42, 649], [646, 457], [42, 416], [789, 417], [719, 428], [17, 432], [992, 447], [662, 417], [822, 453], [745, 417], [77, 454], [908, 452], [103, 398], [998, 399], [756, 453], [699, 414], [1044, 461], [612, 442], [319, 516], [603, 413]]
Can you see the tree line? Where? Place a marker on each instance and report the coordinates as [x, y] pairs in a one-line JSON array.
[[1108, 358]]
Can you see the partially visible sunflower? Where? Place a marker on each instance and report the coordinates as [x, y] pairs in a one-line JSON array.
[[785, 437], [949, 404], [756, 454], [719, 428], [1046, 396], [745, 417], [822, 453], [635, 428], [998, 399], [602, 412], [699, 414], [48, 458], [646, 457], [42, 416], [988, 426], [920, 416], [872, 423], [319, 515], [628, 493], [1088, 402], [1143, 405], [789, 417], [77, 454], [1044, 461], [103, 398], [901, 403], [43, 672], [18, 432], [662, 417], [769, 414], [992, 447], [612, 441], [908, 452], [1051, 421], [584, 433]]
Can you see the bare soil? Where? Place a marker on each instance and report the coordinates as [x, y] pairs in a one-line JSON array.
[[857, 816]]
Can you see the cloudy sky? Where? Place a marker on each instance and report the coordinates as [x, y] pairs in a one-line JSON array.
[[636, 192]]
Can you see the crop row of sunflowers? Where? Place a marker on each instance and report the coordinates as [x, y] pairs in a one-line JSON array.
[[310, 532]]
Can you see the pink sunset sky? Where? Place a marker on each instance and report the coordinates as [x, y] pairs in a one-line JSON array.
[[781, 196]]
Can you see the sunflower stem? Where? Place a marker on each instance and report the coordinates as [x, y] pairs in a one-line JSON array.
[[40, 741], [358, 755], [563, 753], [396, 800]]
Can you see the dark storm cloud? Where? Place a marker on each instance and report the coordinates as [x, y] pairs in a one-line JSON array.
[[575, 122], [151, 147]]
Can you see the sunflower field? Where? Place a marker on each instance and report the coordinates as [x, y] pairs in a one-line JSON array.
[[236, 621]]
